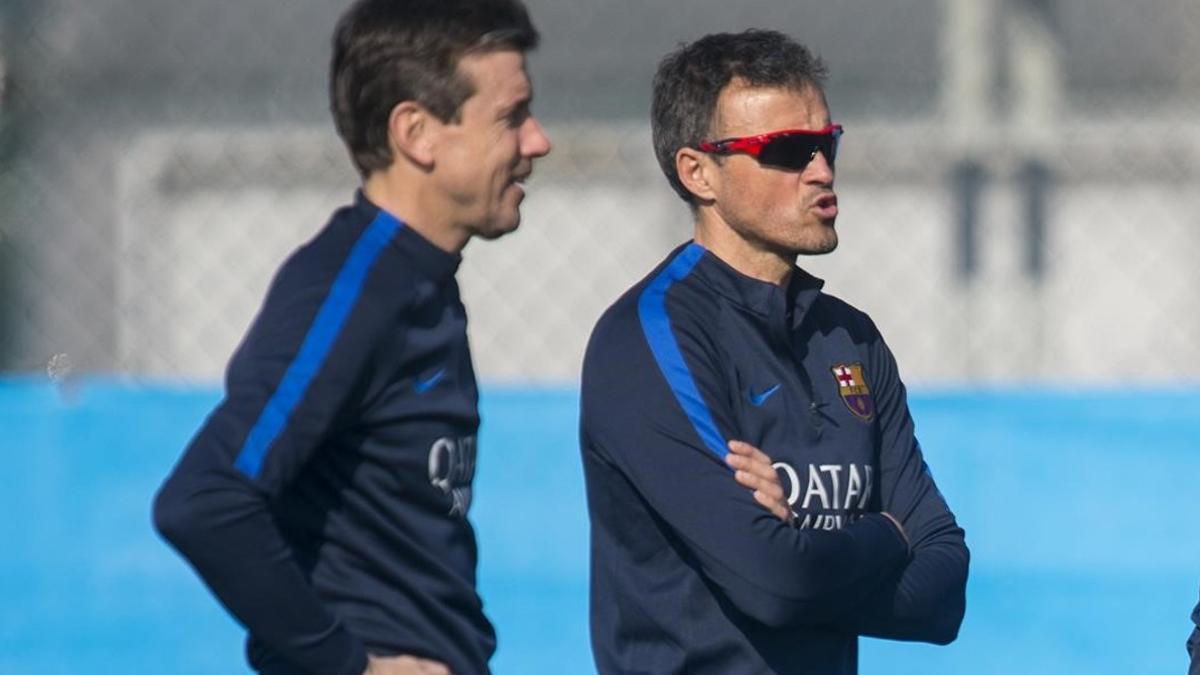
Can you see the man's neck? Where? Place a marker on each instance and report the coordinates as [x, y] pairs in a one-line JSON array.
[[404, 199], [747, 257]]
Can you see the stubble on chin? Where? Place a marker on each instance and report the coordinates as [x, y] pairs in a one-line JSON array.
[[821, 243]]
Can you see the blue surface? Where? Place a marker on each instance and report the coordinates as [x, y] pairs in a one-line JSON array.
[[1080, 510]]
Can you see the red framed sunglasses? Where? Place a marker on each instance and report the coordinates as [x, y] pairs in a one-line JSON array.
[[788, 149]]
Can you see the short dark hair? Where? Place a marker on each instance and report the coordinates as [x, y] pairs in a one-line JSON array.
[[690, 80], [389, 51]]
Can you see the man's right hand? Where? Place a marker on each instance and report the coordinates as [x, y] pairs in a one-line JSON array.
[[404, 665]]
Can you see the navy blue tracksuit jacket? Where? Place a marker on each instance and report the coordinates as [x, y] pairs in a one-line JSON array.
[[689, 573], [324, 501]]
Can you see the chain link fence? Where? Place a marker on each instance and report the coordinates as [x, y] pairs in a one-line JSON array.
[[1019, 182]]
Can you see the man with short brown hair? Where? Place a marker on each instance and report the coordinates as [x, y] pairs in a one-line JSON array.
[[325, 500]]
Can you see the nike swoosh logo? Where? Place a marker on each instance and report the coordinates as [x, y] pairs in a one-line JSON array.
[[422, 386], [758, 399]]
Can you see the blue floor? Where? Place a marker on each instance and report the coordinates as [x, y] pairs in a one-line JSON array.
[[1081, 511]]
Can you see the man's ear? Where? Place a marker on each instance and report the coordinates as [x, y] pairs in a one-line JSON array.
[[412, 132], [697, 172]]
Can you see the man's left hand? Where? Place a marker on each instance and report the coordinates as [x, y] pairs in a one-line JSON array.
[[752, 469]]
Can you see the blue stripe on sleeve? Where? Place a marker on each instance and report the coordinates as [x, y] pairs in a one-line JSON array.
[[656, 324], [317, 343]]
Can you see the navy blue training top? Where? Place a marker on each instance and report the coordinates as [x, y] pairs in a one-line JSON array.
[[324, 501], [689, 573]]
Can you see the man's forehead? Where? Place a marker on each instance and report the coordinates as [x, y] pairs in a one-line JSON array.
[[498, 75], [744, 109]]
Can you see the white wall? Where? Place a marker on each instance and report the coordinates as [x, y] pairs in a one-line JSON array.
[[206, 218]]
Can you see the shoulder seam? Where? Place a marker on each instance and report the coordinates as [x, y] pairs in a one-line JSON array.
[[656, 326], [327, 325]]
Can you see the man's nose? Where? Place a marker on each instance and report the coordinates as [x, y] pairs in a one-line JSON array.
[[819, 170], [534, 141]]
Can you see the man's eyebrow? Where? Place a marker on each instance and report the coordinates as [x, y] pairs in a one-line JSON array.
[[517, 103]]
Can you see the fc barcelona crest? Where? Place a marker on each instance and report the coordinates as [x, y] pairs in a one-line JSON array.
[[852, 385]]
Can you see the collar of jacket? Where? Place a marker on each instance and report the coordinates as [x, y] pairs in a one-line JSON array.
[[784, 308], [431, 261]]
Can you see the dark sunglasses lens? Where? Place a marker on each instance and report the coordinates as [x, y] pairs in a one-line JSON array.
[[796, 151]]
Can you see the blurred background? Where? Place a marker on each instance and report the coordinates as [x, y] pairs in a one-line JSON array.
[[1020, 214]]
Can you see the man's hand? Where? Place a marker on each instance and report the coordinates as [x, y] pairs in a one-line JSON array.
[[752, 468], [404, 665]]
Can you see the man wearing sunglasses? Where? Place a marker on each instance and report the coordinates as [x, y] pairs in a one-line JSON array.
[[757, 495]]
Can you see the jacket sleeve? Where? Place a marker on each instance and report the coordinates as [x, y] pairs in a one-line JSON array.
[[662, 419], [286, 385], [1193, 643], [927, 600]]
